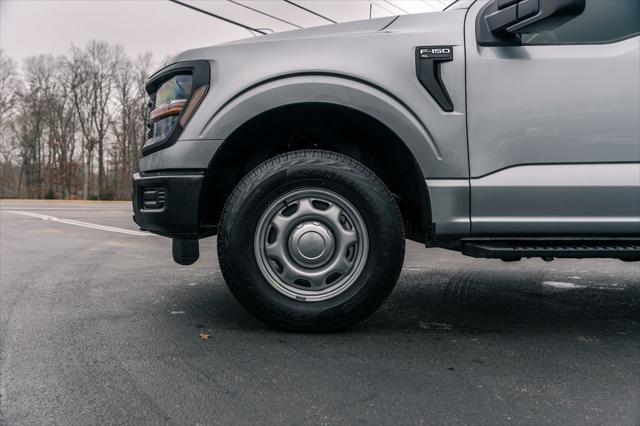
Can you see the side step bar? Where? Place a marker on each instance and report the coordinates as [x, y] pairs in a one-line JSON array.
[[549, 248]]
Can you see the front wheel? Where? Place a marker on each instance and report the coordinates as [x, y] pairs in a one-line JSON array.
[[311, 241]]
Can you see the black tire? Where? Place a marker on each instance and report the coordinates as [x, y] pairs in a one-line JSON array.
[[331, 172]]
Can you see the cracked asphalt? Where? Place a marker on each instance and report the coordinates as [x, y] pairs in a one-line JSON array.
[[101, 327]]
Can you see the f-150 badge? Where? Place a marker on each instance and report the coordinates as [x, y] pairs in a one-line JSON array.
[[441, 52]]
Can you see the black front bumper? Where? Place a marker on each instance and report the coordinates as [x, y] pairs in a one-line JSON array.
[[168, 205]]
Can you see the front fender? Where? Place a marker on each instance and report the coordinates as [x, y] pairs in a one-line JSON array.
[[327, 88]]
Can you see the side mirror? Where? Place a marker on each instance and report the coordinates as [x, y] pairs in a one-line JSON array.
[[506, 17]]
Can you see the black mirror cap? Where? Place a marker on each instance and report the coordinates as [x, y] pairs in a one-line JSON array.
[[550, 15], [501, 21]]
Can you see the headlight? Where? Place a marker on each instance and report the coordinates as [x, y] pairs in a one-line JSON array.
[[175, 94], [170, 100]]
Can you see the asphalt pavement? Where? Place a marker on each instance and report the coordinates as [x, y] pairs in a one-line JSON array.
[[99, 326]]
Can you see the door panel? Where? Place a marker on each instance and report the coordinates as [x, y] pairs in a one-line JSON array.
[[534, 108], [553, 104]]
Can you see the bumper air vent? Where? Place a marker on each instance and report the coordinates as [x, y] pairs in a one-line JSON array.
[[153, 198]]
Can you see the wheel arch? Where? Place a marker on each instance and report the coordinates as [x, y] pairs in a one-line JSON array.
[[220, 120], [320, 126], [321, 111]]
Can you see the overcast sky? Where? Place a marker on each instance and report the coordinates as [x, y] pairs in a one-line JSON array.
[[32, 27]]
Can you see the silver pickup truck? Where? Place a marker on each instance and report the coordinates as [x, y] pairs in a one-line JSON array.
[[501, 129]]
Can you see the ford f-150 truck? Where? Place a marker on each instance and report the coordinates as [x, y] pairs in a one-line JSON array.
[[502, 129]]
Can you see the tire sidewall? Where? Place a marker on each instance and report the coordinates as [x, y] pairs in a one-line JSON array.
[[371, 199]]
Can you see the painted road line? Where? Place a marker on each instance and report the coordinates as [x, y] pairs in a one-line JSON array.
[[82, 224]]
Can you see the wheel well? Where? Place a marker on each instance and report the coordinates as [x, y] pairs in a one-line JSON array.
[[319, 126]]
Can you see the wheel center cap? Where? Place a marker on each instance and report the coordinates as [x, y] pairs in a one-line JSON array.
[[311, 244]]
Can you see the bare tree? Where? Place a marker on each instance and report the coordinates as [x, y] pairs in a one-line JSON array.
[[29, 126], [76, 68], [92, 72], [60, 117], [129, 126], [8, 149], [8, 88], [74, 113]]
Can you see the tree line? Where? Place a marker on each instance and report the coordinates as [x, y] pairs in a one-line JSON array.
[[72, 126]]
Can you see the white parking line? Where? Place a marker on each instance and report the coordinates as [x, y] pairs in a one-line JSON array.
[[561, 284], [79, 223]]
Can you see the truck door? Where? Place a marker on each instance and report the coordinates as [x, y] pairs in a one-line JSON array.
[[554, 123]]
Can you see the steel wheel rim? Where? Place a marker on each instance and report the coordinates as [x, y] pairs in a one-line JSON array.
[[311, 244]]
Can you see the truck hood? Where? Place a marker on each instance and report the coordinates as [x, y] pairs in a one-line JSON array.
[[346, 28]]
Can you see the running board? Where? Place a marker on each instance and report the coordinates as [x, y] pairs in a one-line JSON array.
[[550, 248]]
